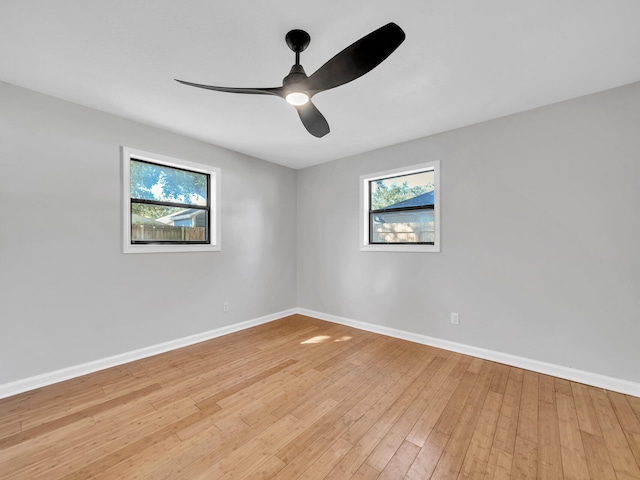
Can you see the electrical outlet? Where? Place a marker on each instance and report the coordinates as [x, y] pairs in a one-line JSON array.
[[225, 307], [455, 318]]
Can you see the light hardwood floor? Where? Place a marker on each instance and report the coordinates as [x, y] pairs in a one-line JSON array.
[[303, 398]]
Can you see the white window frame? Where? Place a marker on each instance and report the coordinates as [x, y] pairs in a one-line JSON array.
[[215, 244], [365, 246]]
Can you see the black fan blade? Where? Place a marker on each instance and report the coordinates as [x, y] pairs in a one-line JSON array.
[[257, 91], [357, 59], [313, 120]]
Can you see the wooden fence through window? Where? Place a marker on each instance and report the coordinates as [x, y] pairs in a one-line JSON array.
[[167, 233], [411, 232]]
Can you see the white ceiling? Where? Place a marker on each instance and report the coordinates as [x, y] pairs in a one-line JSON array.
[[463, 61]]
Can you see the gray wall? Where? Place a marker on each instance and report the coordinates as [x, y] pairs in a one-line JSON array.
[[67, 293], [540, 237]]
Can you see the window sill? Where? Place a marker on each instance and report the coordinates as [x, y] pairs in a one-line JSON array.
[[401, 248], [169, 248]]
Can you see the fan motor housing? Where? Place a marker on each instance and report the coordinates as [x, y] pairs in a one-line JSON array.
[[296, 75]]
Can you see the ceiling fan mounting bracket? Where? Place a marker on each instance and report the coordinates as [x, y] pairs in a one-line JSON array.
[[298, 40]]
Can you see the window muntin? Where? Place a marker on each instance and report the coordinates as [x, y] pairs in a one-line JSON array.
[[169, 205], [400, 209]]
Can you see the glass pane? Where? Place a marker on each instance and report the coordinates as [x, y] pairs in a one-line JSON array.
[[413, 226], [154, 223], [415, 190], [151, 181]]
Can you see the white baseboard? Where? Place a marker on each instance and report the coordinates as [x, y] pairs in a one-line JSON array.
[[31, 383], [601, 381], [597, 380]]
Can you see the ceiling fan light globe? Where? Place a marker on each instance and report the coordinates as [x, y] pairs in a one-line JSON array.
[[297, 98]]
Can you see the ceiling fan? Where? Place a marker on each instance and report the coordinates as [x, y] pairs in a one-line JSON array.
[[352, 62]]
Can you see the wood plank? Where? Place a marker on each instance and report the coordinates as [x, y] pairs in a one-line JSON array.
[[615, 440], [397, 401], [142, 462], [300, 454], [400, 462], [205, 449], [477, 457], [574, 462], [58, 408], [58, 423], [327, 425], [587, 418], [379, 416], [392, 403], [366, 472], [448, 418], [453, 455], [500, 378], [506, 429], [562, 386], [328, 460], [386, 448], [624, 413], [634, 444], [549, 448], [546, 389], [598, 461], [499, 466], [9, 428], [525, 459], [243, 460], [429, 456], [635, 405], [267, 469], [425, 424], [525, 455], [125, 451], [227, 392], [110, 435], [18, 461], [96, 438], [528, 416], [501, 456]]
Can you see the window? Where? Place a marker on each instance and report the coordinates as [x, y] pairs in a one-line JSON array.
[[401, 209], [169, 205]]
